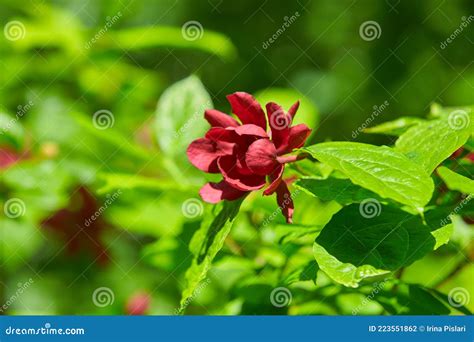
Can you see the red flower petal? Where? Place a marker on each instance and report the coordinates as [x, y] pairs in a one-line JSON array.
[[285, 202], [247, 109], [275, 178], [251, 129], [293, 109], [261, 157], [219, 119], [216, 192], [296, 139], [279, 122], [237, 179], [203, 153], [222, 134]]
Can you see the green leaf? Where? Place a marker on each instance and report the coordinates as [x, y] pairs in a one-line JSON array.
[[455, 181], [431, 142], [442, 235], [380, 169], [294, 233], [307, 113], [395, 127], [342, 191], [180, 116], [166, 36], [359, 243], [344, 273], [412, 299], [305, 272], [205, 245]]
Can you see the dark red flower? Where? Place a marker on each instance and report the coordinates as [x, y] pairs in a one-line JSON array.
[[245, 154], [77, 230]]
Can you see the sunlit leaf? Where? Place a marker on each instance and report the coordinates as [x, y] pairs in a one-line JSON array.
[[431, 142], [395, 127], [455, 181], [205, 245], [380, 169]]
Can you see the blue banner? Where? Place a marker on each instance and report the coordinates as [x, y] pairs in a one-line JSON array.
[[240, 328]]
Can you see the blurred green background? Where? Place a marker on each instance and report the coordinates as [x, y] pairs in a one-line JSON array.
[[68, 65]]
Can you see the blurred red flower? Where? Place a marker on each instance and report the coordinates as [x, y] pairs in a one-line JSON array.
[[74, 227], [8, 157], [245, 154], [138, 304]]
